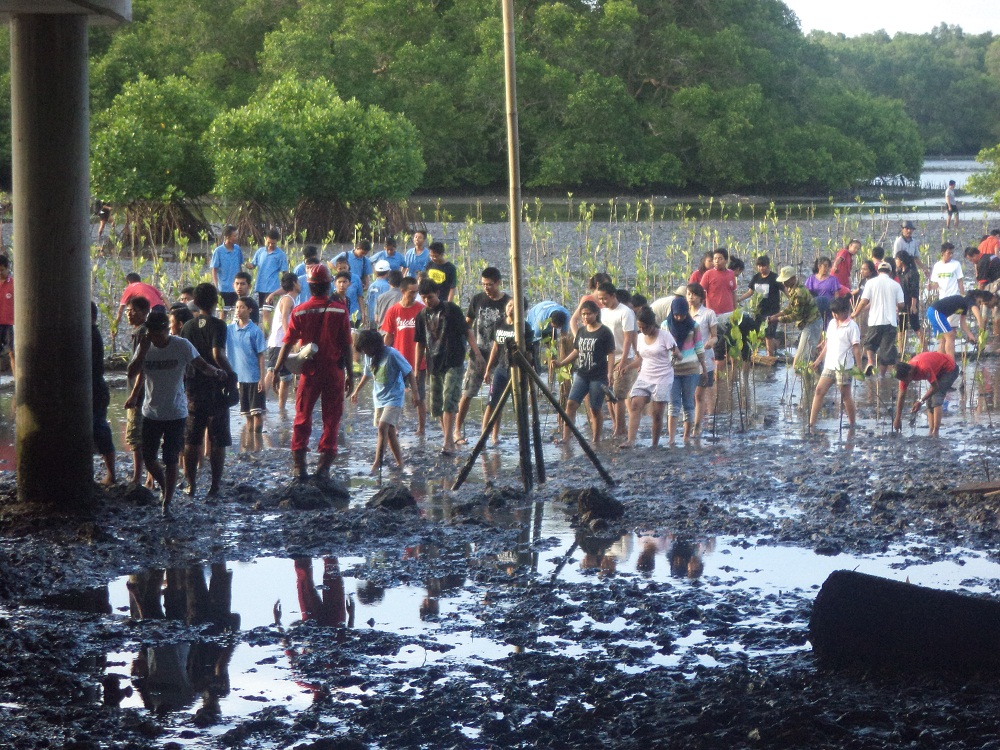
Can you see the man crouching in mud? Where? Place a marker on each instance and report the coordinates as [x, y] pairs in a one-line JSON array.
[[940, 371], [322, 321]]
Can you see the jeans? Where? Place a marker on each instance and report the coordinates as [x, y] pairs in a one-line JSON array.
[[682, 396]]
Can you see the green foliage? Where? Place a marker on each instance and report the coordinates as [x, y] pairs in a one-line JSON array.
[[301, 141], [717, 95], [947, 81], [988, 182], [147, 145]]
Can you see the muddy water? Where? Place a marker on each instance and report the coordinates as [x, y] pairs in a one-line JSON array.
[[250, 654]]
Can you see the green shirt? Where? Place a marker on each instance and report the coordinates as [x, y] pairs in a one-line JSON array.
[[801, 309]]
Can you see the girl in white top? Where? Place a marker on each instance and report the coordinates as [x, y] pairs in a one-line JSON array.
[[279, 324], [838, 353], [657, 352], [708, 323]]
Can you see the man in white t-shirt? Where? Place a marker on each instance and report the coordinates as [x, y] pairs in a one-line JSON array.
[[885, 297], [159, 364], [621, 320], [946, 276], [839, 352]]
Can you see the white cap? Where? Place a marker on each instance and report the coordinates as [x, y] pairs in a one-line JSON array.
[[382, 266]]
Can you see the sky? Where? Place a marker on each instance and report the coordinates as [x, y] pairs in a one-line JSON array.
[[854, 17]]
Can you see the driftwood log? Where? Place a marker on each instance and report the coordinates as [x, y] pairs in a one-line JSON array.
[[862, 620]]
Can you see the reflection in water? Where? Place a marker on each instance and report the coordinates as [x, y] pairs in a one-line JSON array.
[[172, 677], [437, 586], [333, 608]]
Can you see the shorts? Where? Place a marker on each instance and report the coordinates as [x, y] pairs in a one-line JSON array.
[[445, 390], [771, 332], [939, 323], [910, 320], [6, 339], [229, 298], [213, 416], [252, 401], [658, 392], [709, 379], [583, 388], [103, 440], [272, 359], [501, 376], [133, 428], [622, 384], [882, 341], [474, 375], [421, 378], [952, 209], [842, 377], [388, 415], [171, 431], [944, 384]]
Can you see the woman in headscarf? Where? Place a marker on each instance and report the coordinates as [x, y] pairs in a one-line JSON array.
[[689, 371], [656, 351]]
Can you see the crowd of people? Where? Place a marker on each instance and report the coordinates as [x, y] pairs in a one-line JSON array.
[[392, 317]]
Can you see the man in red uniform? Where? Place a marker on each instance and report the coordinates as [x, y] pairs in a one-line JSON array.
[[328, 375], [940, 371]]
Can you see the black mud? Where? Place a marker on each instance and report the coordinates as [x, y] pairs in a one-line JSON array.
[[581, 665]]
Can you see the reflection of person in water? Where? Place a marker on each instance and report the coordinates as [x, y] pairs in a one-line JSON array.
[[172, 676], [334, 609], [430, 607], [685, 558]]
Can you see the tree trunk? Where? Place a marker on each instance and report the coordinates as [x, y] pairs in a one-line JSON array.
[[866, 621]]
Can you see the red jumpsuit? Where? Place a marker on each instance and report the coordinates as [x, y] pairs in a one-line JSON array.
[[326, 323]]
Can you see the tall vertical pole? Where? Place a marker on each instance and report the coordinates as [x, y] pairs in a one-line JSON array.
[[514, 168], [50, 124]]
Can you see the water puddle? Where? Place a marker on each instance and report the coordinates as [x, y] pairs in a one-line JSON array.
[[682, 590]]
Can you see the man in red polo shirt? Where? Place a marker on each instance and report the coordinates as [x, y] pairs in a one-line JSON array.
[[136, 288], [6, 311], [326, 323], [940, 371], [720, 284]]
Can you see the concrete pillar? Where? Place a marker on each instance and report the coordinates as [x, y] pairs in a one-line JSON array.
[[50, 122]]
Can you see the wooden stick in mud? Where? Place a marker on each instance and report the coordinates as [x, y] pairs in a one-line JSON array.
[[514, 211], [481, 443], [536, 435], [523, 363]]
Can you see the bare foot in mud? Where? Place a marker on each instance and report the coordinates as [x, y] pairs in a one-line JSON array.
[[109, 481]]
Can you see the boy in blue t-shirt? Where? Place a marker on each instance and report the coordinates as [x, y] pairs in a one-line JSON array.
[[270, 262], [417, 258], [390, 256], [348, 286], [245, 348], [388, 369]]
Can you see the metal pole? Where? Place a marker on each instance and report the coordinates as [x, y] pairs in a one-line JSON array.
[[50, 131], [514, 168]]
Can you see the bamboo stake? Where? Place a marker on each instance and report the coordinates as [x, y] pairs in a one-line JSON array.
[[514, 169]]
